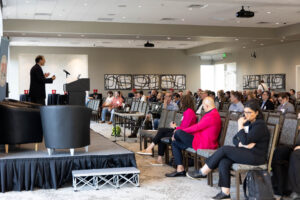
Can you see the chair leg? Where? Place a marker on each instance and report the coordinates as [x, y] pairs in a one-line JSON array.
[[36, 146], [141, 141], [237, 184], [195, 161], [167, 155], [210, 181], [6, 148], [145, 142], [72, 152]]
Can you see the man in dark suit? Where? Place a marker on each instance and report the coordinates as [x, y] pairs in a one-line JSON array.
[[266, 104], [38, 80]]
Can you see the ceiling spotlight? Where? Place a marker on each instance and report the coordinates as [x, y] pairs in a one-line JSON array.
[[261, 44], [188, 38], [139, 6], [244, 47], [81, 35], [190, 8], [59, 35], [123, 17], [168, 38], [268, 12], [236, 39], [281, 40], [182, 19]]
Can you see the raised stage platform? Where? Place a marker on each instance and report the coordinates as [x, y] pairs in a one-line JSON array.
[[24, 169]]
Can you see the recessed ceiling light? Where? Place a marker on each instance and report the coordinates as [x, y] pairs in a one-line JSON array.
[[188, 38], [281, 40], [139, 6], [182, 19], [169, 38], [123, 17], [268, 12], [82, 35], [190, 8], [59, 35], [277, 23], [244, 47], [261, 44], [236, 39]]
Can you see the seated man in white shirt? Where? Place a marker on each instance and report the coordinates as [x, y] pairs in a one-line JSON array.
[[107, 103]]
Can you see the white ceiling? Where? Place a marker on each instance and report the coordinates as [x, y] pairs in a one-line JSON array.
[[214, 12]]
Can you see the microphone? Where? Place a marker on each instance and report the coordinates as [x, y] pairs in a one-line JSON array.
[[67, 73]]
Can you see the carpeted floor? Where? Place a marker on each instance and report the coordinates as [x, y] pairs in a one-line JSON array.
[[154, 184]]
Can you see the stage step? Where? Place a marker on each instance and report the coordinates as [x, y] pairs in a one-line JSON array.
[[97, 178]]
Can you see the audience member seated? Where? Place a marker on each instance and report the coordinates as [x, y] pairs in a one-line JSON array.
[[221, 98], [189, 118], [180, 92], [153, 96], [213, 95], [177, 99], [227, 96], [292, 96], [285, 167], [116, 103], [203, 135], [107, 103], [203, 95], [160, 97], [236, 104], [168, 105], [285, 106], [141, 97], [251, 148], [266, 104]]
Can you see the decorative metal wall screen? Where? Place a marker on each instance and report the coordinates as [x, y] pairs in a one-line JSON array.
[[274, 81], [144, 81], [117, 81]]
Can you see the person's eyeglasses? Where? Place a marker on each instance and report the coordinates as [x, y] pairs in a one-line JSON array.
[[248, 113]]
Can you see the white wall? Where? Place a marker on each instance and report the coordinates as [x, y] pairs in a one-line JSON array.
[[110, 60], [55, 63]]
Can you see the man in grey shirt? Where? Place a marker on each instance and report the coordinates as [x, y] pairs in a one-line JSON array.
[[236, 104], [285, 106], [168, 103]]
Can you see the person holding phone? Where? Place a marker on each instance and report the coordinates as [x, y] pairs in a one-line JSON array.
[[250, 148], [189, 118], [38, 79]]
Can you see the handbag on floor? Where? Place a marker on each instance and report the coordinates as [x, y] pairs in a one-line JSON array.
[[258, 186]]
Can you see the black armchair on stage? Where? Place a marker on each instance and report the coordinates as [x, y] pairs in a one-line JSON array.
[[66, 127], [20, 123]]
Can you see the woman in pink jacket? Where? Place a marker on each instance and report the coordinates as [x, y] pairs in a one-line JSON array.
[[189, 118], [203, 135]]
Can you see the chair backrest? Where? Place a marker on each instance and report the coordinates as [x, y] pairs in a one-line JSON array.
[[129, 101], [135, 105], [142, 107], [223, 131], [274, 118], [289, 131], [163, 117], [235, 115], [96, 104], [272, 143], [265, 114], [170, 117], [89, 104], [178, 118], [223, 113], [231, 131], [225, 106]]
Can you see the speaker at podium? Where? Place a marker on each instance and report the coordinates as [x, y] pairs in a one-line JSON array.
[[76, 91]]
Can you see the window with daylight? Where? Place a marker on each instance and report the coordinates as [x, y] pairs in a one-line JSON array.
[[218, 77]]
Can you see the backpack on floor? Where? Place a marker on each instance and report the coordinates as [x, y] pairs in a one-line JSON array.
[[258, 185]]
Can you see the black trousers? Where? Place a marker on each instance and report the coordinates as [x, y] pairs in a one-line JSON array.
[[182, 141], [225, 156], [37, 100], [286, 181], [161, 133]]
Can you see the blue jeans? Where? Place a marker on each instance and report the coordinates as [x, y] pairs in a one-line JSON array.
[[104, 111], [155, 123], [182, 141]]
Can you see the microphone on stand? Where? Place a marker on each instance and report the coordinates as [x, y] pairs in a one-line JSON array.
[[67, 73]]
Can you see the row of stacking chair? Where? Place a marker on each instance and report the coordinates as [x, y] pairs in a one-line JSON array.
[[94, 105]]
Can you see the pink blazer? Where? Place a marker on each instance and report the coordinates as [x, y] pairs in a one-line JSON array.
[[189, 119], [206, 131]]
